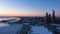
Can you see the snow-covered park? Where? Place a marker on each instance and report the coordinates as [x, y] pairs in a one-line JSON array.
[[40, 30]]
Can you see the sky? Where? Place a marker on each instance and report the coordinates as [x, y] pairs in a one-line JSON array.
[[28, 7]]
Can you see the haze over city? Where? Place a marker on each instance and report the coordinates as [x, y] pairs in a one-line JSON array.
[[28, 7]]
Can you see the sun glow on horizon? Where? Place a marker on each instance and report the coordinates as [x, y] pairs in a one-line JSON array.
[[28, 7], [21, 14]]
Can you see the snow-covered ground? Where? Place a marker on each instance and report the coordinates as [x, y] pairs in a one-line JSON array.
[[4, 24], [10, 29], [6, 28], [40, 30], [57, 26], [43, 30]]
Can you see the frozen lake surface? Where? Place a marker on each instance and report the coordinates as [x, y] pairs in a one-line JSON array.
[[4, 24], [9, 29]]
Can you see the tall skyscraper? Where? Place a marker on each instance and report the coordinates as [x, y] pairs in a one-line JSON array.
[[53, 15]]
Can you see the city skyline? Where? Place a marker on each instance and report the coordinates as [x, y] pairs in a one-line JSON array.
[[29, 7]]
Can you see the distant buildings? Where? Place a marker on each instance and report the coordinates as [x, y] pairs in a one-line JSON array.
[[31, 20], [50, 18]]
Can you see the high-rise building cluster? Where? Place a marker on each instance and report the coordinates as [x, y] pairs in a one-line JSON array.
[[50, 18]]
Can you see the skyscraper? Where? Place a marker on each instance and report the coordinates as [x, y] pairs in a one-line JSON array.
[[53, 15]]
